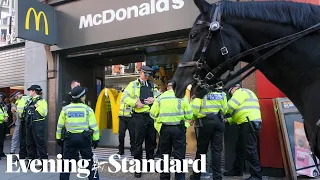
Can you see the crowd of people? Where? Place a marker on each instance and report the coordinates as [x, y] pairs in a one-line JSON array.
[[145, 112]]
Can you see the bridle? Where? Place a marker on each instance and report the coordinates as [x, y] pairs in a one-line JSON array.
[[201, 63]]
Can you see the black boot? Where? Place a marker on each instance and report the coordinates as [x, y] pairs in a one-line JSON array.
[[137, 175], [121, 153], [233, 173]]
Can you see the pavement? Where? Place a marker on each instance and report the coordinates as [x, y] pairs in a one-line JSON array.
[[104, 175]]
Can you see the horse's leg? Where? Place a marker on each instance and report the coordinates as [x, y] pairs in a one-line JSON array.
[[311, 113]]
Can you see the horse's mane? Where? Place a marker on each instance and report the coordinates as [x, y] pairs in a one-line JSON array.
[[299, 15]]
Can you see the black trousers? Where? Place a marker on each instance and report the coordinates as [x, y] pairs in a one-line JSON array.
[[79, 142], [36, 143], [2, 140], [23, 140], [126, 123], [211, 132], [173, 137], [144, 132], [246, 149]]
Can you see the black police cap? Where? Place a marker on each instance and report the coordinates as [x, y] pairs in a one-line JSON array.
[[15, 94], [170, 82], [35, 88], [78, 92], [3, 95], [146, 69]]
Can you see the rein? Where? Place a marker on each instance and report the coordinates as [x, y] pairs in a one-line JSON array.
[[201, 63]]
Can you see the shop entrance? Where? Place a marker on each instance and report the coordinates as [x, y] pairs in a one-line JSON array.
[[106, 74]]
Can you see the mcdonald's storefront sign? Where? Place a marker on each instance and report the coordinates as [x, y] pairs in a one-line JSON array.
[[36, 22]]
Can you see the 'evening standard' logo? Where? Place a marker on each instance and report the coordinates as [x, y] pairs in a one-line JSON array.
[[121, 14], [113, 166]]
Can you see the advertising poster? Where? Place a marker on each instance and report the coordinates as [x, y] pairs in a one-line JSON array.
[[302, 152]]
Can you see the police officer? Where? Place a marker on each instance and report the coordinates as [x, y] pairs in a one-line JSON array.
[[245, 110], [82, 130], [126, 122], [3, 119], [140, 94], [19, 134], [170, 114], [36, 112], [208, 111], [67, 100]]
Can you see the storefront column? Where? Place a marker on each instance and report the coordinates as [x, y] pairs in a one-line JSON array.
[[36, 70]]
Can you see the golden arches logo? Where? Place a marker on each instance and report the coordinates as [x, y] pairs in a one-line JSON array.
[[37, 17]]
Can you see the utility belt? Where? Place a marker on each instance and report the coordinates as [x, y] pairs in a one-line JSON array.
[[255, 126], [84, 134], [177, 123], [209, 117], [141, 113]]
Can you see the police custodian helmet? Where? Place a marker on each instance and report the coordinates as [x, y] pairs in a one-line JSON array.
[[78, 92]]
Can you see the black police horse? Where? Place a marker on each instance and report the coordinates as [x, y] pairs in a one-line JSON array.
[[281, 39]]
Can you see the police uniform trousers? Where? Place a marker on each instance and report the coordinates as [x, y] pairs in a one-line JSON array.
[[211, 132], [126, 123], [246, 148], [77, 158], [36, 144], [82, 142], [173, 137], [2, 139], [23, 140], [144, 131], [208, 155]]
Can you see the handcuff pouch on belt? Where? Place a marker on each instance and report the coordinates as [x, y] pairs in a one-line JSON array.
[[253, 126], [209, 117]]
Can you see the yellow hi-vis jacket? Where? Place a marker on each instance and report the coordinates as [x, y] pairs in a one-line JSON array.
[[3, 114], [21, 104], [125, 110], [42, 108], [167, 109], [76, 118], [244, 103], [212, 103], [132, 94]]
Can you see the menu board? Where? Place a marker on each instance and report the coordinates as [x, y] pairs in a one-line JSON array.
[[294, 144]]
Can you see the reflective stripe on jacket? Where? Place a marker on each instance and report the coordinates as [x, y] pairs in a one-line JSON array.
[[76, 118], [3, 114], [244, 103], [212, 103], [132, 94], [125, 110], [167, 109], [21, 104]]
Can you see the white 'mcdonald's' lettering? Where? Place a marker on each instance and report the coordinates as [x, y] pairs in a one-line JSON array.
[[121, 14]]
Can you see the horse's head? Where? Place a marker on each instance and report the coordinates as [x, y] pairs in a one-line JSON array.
[[211, 50]]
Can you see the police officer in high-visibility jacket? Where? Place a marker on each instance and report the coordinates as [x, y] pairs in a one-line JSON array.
[[245, 111], [140, 94], [82, 130], [36, 111], [208, 112], [126, 122], [170, 114], [19, 134], [3, 118]]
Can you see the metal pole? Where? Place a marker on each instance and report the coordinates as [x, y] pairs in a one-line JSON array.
[[1, 3], [10, 21]]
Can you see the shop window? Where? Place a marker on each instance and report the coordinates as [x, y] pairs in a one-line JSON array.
[[3, 36]]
